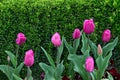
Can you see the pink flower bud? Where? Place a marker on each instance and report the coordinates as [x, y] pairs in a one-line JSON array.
[[99, 49], [89, 64], [106, 35], [56, 39], [76, 34], [20, 39], [88, 26], [29, 58]]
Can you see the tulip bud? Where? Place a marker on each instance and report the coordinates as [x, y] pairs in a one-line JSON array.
[[99, 49], [20, 39], [76, 34], [8, 58], [89, 64], [56, 39], [106, 35], [88, 26], [29, 58]]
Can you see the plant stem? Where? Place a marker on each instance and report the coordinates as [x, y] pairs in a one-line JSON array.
[[58, 56], [17, 51], [28, 72]]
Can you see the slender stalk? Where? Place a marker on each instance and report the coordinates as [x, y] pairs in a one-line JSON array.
[[17, 51], [28, 72], [58, 56]]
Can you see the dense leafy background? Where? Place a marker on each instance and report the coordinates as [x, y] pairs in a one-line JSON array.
[[39, 19]]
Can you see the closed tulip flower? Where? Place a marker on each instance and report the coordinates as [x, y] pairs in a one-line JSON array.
[[20, 39], [88, 26], [89, 64], [76, 34], [106, 35], [56, 40], [29, 58], [99, 49]]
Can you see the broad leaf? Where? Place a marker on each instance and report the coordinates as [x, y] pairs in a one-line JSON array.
[[12, 58], [59, 70], [109, 47], [7, 70], [19, 67], [85, 43], [93, 49], [49, 71], [69, 47], [79, 65], [110, 76], [16, 77], [76, 44], [49, 58]]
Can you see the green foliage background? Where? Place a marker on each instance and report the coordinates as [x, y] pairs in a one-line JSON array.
[[39, 19]]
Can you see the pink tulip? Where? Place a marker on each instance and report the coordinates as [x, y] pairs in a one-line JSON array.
[[20, 39], [88, 26], [76, 34], [106, 35], [89, 64], [56, 39], [29, 58]]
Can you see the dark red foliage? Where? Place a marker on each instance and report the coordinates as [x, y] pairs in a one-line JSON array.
[[65, 78]]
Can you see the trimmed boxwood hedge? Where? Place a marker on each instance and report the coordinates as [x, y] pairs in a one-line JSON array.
[[39, 19]]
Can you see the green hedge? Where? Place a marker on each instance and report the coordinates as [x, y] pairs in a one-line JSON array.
[[39, 19]]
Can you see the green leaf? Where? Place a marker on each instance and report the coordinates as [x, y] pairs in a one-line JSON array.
[[69, 47], [85, 44], [19, 67], [30, 73], [76, 44], [110, 76], [16, 77], [49, 58], [12, 58], [78, 62], [93, 49], [60, 49], [109, 47], [7, 70], [102, 64], [49, 71], [59, 70]]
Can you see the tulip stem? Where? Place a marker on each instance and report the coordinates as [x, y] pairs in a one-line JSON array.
[[58, 56], [17, 51], [28, 72]]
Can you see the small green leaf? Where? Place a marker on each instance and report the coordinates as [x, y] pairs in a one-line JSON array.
[[12, 58], [16, 77], [76, 44], [7, 70], [20, 67], [110, 76], [109, 47], [69, 47], [49, 58]]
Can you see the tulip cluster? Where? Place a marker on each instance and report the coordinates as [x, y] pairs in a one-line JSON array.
[[89, 63]]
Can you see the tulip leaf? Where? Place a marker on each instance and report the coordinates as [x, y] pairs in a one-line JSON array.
[[12, 58], [59, 70], [20, 67], [7, 70], [69, 47], [48, 57], [109, 47], [93, 49], [85, 44], [78, 62], [76, 44], [16, 77], [49, 71], [110, 76], [102, 64]]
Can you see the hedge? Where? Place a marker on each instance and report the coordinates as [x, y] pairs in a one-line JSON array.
[[39, 19]]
